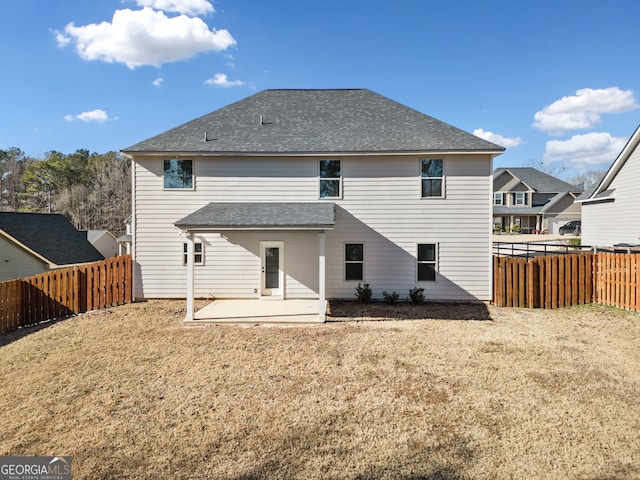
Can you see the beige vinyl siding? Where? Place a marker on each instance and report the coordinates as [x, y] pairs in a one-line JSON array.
[[15, 262], [381, 206], [608, 223]]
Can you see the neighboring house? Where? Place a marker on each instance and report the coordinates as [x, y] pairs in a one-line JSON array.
[[306, 194], [104, 241], [33, 243], [125, 241], [610, 210], [532, 201]]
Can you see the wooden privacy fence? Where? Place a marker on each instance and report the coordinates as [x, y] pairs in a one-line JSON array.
[[64, 292], [566, 280]]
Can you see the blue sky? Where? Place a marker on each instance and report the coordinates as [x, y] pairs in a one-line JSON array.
[[556, 82]]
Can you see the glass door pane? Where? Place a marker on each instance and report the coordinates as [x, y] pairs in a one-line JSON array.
[[272, 267]]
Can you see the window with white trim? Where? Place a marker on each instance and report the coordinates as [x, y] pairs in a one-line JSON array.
[[198, 253], [520, 198], [498, 198], [427, 262], [330, 178], [432, 173], [354, 261], [178, 174]]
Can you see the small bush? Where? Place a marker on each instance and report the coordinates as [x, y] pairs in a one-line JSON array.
[[416, 295], [390, 298], [575, 243], [363, 293]]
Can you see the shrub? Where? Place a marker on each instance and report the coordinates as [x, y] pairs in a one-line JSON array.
[[363, 293], [390, 298], [416, 295], [575, 243]]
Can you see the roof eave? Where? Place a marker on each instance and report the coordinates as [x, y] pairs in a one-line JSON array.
[[226, 228], [181, 153]]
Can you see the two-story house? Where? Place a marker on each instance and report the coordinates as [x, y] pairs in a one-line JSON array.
[[308, 193], [530, 201]]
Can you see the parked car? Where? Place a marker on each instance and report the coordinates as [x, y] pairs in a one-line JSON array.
[[574, 227]]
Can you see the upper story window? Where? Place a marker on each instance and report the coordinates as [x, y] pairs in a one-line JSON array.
[[178, 174], [498, 198], [520, 198], [432, 171], [330, 178]]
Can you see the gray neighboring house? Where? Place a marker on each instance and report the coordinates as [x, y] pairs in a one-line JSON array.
[[610, 210], [307, 193], [104, 241], [33, 243], [532, 200]]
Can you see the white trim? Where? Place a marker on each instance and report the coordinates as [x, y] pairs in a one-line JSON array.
[[493, 153], [442, 178], [322, 275], [271, 292], [428, 262], [344, 260], [193, 176], [190, 277], [320, 179]]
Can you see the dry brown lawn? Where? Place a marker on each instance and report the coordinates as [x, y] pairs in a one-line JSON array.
[[457, 392]]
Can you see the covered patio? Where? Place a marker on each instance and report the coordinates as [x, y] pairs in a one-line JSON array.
[[251, 311], [272, 304]]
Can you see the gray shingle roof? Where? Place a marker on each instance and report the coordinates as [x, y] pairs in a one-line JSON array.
[[50, 235], [260, 215], [314, 121], [539, 181]]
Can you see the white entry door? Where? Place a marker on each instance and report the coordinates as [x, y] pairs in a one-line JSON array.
[[272, 266]]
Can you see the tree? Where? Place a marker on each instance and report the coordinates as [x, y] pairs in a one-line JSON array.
[[588, 179], [13, 163], [92, 190]]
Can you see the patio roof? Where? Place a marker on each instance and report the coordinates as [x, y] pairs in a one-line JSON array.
[[260, 216]]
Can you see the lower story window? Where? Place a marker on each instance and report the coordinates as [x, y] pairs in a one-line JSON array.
[[427, 262], [198, 257], [354, 261]]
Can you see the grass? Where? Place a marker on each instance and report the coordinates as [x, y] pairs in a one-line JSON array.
[[508, 393]]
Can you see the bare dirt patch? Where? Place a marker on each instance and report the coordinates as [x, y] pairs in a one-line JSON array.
[[509, 393]]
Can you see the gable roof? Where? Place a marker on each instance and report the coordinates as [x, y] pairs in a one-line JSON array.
[[250, 215], [537, 180], [314, 121], [50, 236], [602, 191]]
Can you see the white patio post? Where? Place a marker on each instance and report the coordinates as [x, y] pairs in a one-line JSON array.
[[190, 294], [321, 276]]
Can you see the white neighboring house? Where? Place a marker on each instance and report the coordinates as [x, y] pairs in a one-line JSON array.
[[306, 194], [104, 241], [610, 211]]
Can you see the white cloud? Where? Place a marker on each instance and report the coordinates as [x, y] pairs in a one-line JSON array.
[[507, 142], [188, 7], [145, 37], [585, 151], [97, 115], [158, 82], [583, 109], [221, 80]]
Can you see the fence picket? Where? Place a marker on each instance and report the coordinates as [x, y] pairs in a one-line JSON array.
[[65, 292], [565, 280]]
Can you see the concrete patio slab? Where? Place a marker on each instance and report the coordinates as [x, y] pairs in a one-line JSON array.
[[243, 311]]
